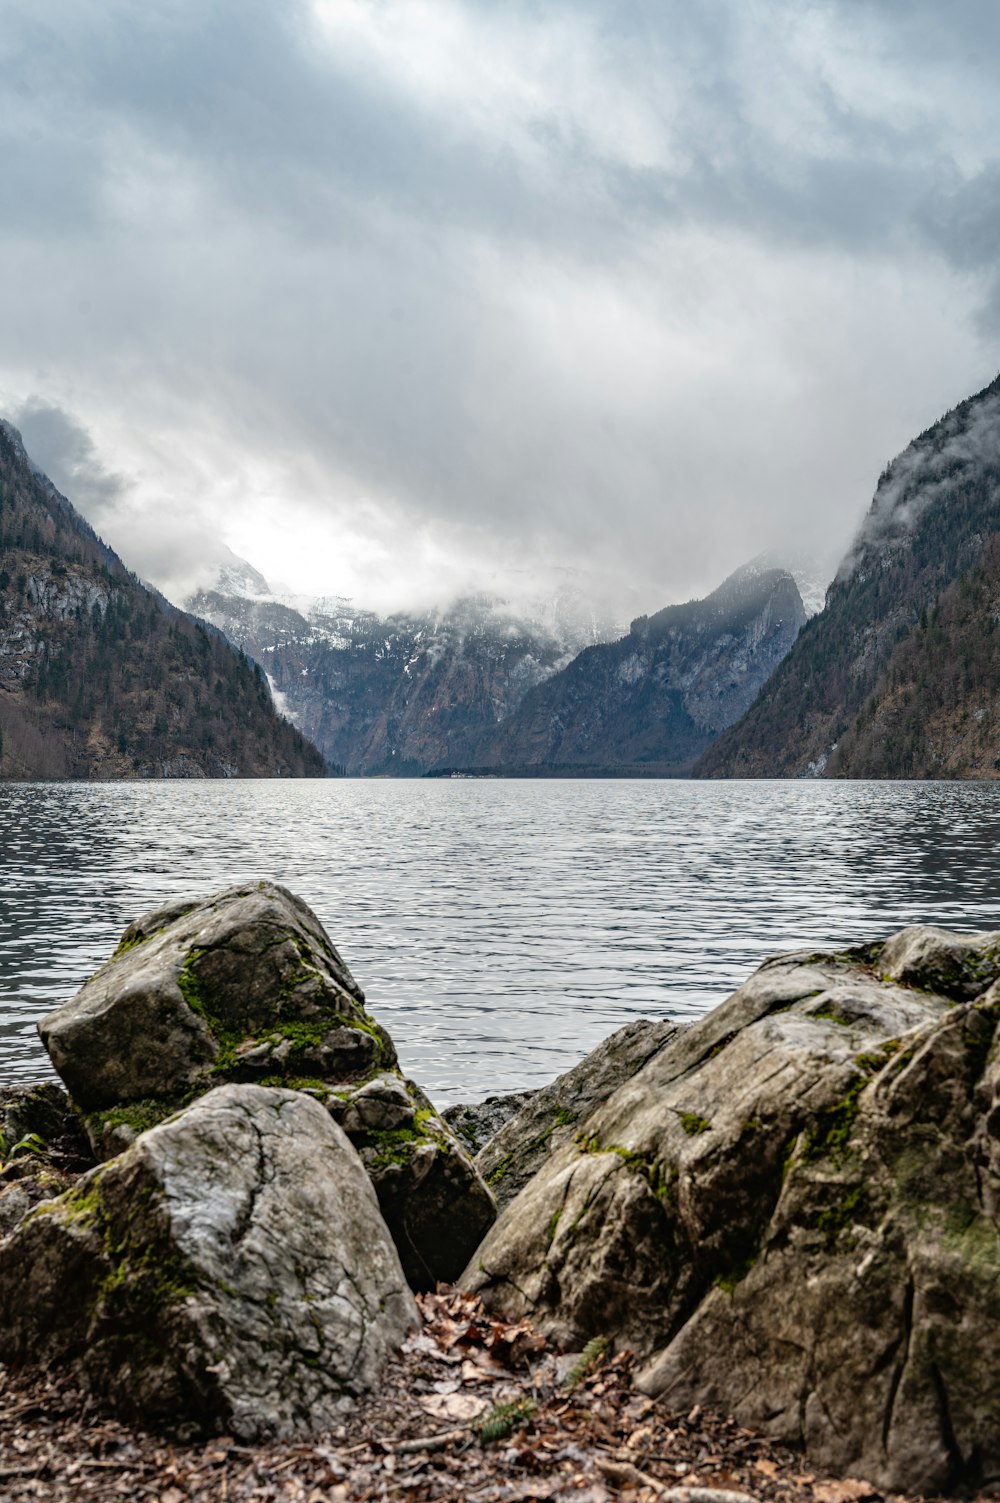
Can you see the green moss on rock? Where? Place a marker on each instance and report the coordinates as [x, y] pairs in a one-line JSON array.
[[830, 1135]]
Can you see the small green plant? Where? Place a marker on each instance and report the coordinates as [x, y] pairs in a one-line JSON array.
[[30, 1143], [592, 1356], [503, 1420]]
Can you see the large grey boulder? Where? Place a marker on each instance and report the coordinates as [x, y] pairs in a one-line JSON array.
[[243, 985], [246, 986], [557, 1112], [793, 1213], [229, 1272]]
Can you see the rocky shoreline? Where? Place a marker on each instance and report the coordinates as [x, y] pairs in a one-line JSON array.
[[224, 1240]]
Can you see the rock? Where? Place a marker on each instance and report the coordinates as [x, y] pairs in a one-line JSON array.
[[229, 1272], [477, 1122], [791, 1214], [433, 1200], [16, 1200], [42, 1109], [958, 965], [42, 1148], [246, 986], [557, 1112]]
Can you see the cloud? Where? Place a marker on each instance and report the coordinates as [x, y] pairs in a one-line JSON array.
[[397, 298], [66, 452]]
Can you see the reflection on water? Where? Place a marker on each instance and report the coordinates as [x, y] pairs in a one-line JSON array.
[[500, 929]]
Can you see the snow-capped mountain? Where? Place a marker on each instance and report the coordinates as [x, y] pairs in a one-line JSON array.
[[493, 683], [405, 692]]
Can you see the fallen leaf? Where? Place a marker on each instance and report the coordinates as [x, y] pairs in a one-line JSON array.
[[767, 1468], [453, 1406], [850, 1490], [481, 1368]]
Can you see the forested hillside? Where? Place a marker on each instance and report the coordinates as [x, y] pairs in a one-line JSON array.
[[102, 678], [936, 711], [879, 681]]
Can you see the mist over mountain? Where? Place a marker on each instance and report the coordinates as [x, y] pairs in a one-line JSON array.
[[404, 692], [653, 700], [812, 572], [101, 677], [899, 675], [485, 683]]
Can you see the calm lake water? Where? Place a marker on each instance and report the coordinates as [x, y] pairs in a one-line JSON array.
[[500, 929]]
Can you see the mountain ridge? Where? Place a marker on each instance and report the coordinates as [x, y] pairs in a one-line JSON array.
[[934, 514], [657, 696], [100, 677], [395, 694], [454, 689]]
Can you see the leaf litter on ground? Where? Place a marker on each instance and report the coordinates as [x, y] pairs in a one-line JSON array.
[[474, 1409]]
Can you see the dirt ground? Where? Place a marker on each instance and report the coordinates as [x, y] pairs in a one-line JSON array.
[[473, 1409]]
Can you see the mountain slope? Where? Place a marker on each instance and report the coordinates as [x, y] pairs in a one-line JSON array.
[[102, 678], [935, 512], [397, 694], [936, 710], [655, 699]]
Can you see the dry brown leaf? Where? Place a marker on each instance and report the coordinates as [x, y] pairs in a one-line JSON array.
[[850, 1490], [766, 1468], [453, 1406]]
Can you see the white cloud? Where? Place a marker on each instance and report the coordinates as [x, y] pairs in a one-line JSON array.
[[393, 298]]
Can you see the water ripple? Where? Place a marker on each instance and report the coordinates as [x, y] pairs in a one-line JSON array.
[[500, 929]]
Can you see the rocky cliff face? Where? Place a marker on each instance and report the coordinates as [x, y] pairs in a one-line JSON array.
[[478, 686], [898, 676], [655, 699], [99, 676], [396, 694]]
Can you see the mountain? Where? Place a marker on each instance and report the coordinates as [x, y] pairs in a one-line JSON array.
[[99, 676], [652, 701], [401, 693], [812, 573], [899, 675]]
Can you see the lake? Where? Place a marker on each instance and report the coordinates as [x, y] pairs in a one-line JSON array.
[[500, 928]]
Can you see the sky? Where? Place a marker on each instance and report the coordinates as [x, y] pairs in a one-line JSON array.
[[398, 299]]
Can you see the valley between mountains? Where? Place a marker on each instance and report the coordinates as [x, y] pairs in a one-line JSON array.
[[889, 669]]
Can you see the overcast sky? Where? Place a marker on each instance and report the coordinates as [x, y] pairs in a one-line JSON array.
[[398, 297]]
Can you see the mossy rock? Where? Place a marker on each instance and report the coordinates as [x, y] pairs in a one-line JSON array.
[[790, 1214], [960, 966], [556, 1113], [242, 986], [247, 987], [229, 1272], [41, 1114], [434, 1201]]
